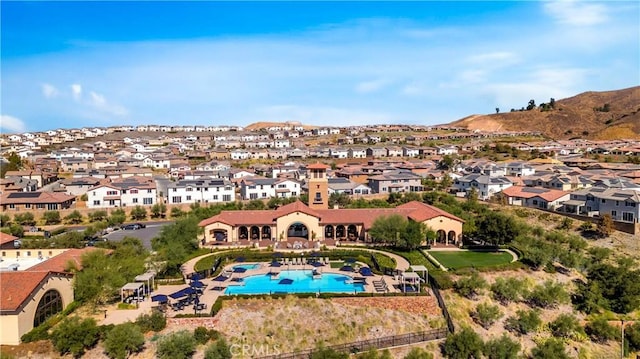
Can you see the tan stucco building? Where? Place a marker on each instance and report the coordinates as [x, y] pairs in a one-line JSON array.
[[34, 289]]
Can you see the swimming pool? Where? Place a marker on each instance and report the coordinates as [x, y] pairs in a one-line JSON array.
[[247, 266], [301, 281]]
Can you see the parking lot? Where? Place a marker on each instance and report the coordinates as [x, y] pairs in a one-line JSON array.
[[144, 234]]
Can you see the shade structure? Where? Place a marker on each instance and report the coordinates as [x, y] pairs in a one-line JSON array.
[[182, 293], [346, 268], [160, 298], [285, 281], [197, 284], [366, 271], [275, 264], [220, 278], [239, 270]]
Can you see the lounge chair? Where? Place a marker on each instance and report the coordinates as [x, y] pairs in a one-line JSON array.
[[326, 260]]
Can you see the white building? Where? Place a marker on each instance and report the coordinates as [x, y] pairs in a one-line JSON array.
[[201, 190]]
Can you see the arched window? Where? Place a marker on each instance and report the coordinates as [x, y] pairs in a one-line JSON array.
[[50, 304]]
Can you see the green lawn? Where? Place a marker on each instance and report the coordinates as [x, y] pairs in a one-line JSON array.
[[462, 259]]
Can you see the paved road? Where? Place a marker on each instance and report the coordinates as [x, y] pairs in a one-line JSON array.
[[144, 234]]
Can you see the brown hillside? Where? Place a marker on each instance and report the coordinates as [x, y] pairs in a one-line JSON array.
[[261, 125], [572, 117]]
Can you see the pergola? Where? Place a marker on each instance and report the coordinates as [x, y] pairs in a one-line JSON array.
[[411, 278], [422, 270], [147, 277], [136, 287]]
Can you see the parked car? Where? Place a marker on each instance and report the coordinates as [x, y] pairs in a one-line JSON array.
[[132, 226]]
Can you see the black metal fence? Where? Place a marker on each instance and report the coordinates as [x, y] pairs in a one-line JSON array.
[[365, 345], [445, 313]]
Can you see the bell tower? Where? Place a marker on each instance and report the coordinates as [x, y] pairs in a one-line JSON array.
[[318, 186]]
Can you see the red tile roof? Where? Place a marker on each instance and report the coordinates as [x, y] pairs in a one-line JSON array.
[[317, 166], [18, 286], [544, 193], [417, 211], [60, 262], [6, 238]]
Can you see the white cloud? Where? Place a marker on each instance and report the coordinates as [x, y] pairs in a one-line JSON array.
[[574, 13], [49, 91], [100, 102], [371, 86], [76, 91], [11, 124]]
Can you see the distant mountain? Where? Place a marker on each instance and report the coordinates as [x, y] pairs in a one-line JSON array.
[[590, 115], [263, 125]]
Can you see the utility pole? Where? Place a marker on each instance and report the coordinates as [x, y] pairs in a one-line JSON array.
[[622, 338]]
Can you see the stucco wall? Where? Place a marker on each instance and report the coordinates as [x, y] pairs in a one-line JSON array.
[[23, 320], [446, 224]]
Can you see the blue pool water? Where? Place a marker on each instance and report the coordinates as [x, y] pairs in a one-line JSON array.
[[301, 282], [247, 266]]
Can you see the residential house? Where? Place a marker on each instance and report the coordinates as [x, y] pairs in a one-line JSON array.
[[343, 185], [395, 181], [376, 152], [79, 186], [130, 191], [200, 190], [261, 188], [45, 201], [357, 153], [535, 197], [487, 186]]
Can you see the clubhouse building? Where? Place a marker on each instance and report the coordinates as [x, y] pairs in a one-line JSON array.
[[315, 224]]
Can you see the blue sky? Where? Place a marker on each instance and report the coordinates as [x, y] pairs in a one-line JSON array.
[[77, 64]]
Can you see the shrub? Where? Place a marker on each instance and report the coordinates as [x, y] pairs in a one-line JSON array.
[[51, 217], [155, 321], [470, 286], [24, 219], [74, 217], [550, 349], [548, 295], [600, 331], [501, 348], [327, 353], [524, 322], [566, 326], [178, 345], [486, 314], [632, 335], [202, 335], [415, 353], [138, 213], [97, 216], [122, 340], [75, 335], [463, 345], [218, 350], [507, 290]]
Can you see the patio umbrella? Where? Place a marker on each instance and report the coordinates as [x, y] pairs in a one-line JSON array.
[[195, 277], [317, 264], [220, 278], [189, 291], [285, 281], [315, 254], [366, 271], [277, 254], [197, 284], [350, 260], [240, 259], [179, 294], [346, 268], [239, 270], [160, 298], [275, 264]]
